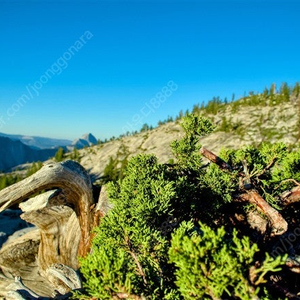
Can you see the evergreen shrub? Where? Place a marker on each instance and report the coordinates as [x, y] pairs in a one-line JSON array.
[[171, 234]]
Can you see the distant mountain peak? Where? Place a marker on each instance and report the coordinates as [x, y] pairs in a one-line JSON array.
[[85, 140], [89, 138]]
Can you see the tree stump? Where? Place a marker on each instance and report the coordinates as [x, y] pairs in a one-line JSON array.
[[44, 261]]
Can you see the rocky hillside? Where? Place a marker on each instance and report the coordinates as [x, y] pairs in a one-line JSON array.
[[237, 124], [251, 120]]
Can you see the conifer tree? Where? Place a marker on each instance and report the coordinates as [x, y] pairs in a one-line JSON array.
[[59, 155]]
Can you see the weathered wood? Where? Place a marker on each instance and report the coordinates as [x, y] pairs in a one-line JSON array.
[[277, 223], [75, 184], [64, 278], [215, 159], [290, 197], [19, 259], [46, 259], [60, 235], [39, 201], [256, 221], [103, 206]]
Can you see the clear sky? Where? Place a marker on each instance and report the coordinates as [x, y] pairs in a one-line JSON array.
[[71, 67]]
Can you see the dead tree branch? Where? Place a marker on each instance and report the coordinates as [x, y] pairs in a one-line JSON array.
[[277, 222], [215, 159]]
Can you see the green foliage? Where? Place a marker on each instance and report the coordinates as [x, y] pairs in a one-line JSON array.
[[107, 275], [270, 97], [187, 149], [146, 127], [134, 251], [59, 155], [221, 185], [229, 126], [225, 125], [214, 106], [213, 264], [75, 154], [284, 174], [285, 92], [271, 169], [296, 90], [268, 168], [116, 167], [256, 158], [197, 125], [34, 168], [168, 120], [110, 172], [8, 179]]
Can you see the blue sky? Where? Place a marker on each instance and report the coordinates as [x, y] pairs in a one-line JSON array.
[[70, 67]]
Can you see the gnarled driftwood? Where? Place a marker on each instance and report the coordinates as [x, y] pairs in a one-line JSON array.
[[45, 259]]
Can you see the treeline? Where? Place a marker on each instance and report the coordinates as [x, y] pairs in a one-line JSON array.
[[270, 96]]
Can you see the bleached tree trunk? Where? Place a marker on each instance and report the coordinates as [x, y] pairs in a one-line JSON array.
[[64, 217]]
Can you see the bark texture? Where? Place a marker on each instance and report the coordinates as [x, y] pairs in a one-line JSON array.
[[44, 261]]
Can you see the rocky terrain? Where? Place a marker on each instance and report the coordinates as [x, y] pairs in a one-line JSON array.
[[236, 125], [248, 125]]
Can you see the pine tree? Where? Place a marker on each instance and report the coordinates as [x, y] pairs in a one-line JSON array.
[[285, 92], [3, 182], [34, 168], [59, 155], [75, 153], [110, 172]]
